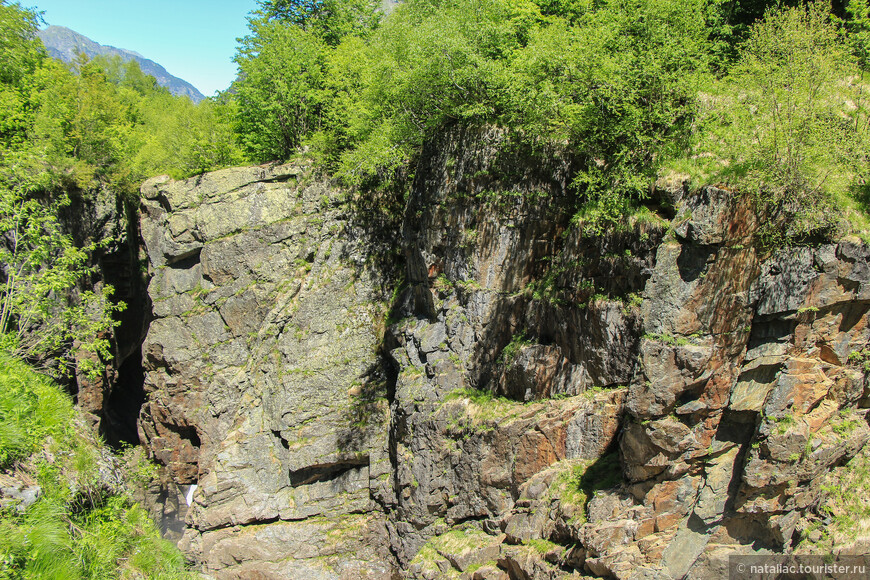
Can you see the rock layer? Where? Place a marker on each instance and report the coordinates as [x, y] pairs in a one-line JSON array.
[[262, 373], [533, 401]]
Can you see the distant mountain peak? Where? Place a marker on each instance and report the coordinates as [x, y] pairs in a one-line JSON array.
[[63, 43]]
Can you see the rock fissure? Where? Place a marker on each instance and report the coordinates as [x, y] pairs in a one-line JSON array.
[[325, 472]]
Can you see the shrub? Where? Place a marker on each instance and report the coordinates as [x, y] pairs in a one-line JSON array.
[[792, 68], [41, 268], [787, 125]]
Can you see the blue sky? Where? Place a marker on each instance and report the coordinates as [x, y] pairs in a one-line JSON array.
[[192, 39]]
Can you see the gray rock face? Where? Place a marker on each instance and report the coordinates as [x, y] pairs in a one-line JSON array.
[[512, 359], [744, 372], [18, 494], [541, 403], [263, 377]]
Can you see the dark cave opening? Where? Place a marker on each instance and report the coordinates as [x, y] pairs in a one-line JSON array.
[[121, 266], [325, 472], [118, 427], [188, 432]]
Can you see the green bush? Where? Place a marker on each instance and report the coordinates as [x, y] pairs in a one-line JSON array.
[[613, 81], [787, 125]]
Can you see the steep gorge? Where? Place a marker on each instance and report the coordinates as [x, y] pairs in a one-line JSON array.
[[482, 390]]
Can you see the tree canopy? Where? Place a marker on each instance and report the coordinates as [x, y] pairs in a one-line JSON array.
[[624, 85]]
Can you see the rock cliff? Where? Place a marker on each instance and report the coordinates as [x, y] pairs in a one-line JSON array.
[[508, 397], [263, 373]]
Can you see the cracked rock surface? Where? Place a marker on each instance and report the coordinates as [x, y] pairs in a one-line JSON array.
[[513, 397]]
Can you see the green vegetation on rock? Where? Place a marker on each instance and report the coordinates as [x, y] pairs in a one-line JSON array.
[[843, 515], [578, 484], [788, 125], [767, 100], [510, 352], [73, 136]]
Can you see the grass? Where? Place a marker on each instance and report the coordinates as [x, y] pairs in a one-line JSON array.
[[476, 396], [784, 423], [513, 348], [485, 410], [843, 512], [77, 529], [32, 408], [578, 484], [668, 339], [542, 547], [455, 541]]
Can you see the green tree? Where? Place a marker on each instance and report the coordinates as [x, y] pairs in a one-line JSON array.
[[432, 63], [620, 88], [281, 93], [615, 82], [801, 142], [20, 49], [329, 20], [858, 26], [70, 131], [42, 309], [21, 53], [175, 136]]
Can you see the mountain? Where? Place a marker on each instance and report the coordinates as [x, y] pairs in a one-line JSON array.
[[63, 44]]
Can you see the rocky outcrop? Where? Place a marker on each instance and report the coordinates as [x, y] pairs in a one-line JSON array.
[[744, 380], [263, 375], [739, 391], [517, 343], [533, 400]]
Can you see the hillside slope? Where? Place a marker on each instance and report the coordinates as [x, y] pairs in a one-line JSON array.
[[63, 44]]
